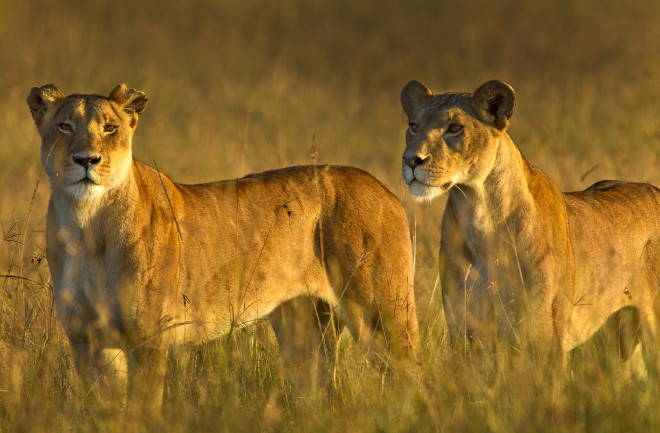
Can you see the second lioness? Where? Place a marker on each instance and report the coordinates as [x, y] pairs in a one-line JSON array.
[[139, 262], [518, 257]]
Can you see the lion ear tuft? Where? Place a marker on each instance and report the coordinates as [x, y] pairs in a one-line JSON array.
[[131, 101], [41, 99], [413, 96], [494, 102]]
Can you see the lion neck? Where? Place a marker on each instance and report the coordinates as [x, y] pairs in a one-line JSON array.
[[97, 212], [499, 195]]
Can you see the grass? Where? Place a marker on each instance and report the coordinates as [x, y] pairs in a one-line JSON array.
[[238, 87]]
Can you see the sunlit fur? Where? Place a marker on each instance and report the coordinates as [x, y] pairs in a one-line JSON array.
[[521, 263], [139, 262]]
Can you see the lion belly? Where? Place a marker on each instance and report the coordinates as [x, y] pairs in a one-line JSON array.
[[247, 246]]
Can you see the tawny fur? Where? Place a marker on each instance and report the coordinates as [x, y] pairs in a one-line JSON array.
[[139, 262], [518, 258]]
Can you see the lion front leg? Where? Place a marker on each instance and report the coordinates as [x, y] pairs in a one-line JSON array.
[[146, 379], [112, 366], [464, 283], [84, 361], [102, 370], [455, 296], [546, 332], [466, 303]]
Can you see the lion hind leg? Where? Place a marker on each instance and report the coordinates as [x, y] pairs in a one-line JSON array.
[[385, 327], [307, 333], [373, 295], [650, 345]]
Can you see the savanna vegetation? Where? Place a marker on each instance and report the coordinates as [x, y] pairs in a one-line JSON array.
[[242, 86]]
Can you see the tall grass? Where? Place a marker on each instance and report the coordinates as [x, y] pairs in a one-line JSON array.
[[237, 87]]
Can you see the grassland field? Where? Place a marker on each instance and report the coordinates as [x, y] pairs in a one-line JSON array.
[[244, 86]]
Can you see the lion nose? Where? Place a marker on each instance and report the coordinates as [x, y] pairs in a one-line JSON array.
[[87, 161], [415, 161]]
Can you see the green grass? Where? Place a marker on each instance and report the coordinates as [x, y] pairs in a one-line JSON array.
[[243, 86]]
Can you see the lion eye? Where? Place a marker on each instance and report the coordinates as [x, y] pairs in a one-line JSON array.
[[64, 127], [109, 129], [455, 128], [413, 127]]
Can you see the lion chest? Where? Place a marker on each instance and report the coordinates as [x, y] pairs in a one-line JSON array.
[[84, 284], [503, 251]]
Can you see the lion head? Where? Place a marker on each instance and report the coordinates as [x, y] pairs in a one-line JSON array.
[[86, 139], [452, 137]]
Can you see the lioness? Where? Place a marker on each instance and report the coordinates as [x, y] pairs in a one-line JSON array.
[[139, 262], [518, 257]]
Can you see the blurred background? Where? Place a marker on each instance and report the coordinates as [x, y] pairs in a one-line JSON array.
[[244, 86], [237, 87]]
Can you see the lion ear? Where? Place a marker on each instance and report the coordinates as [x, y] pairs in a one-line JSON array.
[[41, 99], [494, 102], [132, 102], [413, 96]]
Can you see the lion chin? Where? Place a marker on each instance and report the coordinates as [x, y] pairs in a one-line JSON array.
[[85, 189], [423, 193]]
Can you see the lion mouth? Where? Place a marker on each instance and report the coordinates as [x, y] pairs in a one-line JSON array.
[[83, 184], [445, 186], [88, 179], [415, 180]]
